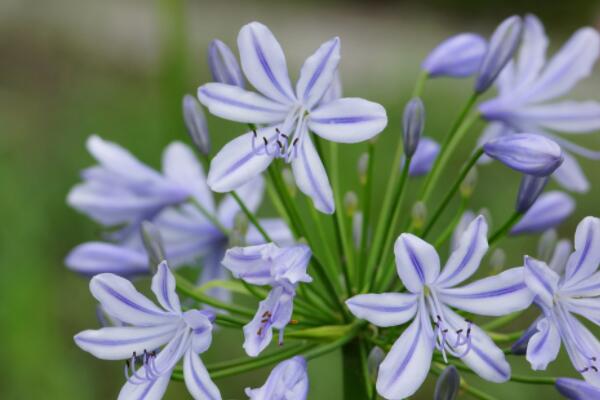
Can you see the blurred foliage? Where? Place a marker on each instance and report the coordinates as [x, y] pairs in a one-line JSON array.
[[55, 91]]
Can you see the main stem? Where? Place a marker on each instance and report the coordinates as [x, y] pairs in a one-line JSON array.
[[355, 384]]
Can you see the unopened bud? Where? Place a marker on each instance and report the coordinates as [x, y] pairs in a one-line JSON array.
[[419, 214], [502, 45], [530, 189], [153, 244], [195, 122], [350, 203], [223, 65], [468, 184], [289, 181], [413, 123], [363, 166], [458, 56], [447, 385], [357, 221], [375, 358], [547, 244]]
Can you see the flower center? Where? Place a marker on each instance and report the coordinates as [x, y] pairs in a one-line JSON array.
[[146, 360], [287, 138]]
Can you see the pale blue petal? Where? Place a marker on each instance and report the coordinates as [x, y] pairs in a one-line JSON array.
[[417, 262], [586, 258], [197, 379], [385, 309], [163, 287], [424, 157], [148, 390], [544, 345], [94, 258], [548, 211], [288, 380], [570, 175], [223, 65], [251, 263], [566, 116], [574, 389], [458, 56], [317, 73], [541, 280]]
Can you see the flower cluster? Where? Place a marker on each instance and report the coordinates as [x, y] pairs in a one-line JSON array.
[[323, 271]]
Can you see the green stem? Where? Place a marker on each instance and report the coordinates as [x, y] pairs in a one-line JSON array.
[[454, 136], [420, 84], [386, 251], [445, 235], [209, 216], [366, 209], [251, 217], [501, 321], [504, 337], [329, 347], [356, 384], [503, 230], [331, 262], [453, 189]]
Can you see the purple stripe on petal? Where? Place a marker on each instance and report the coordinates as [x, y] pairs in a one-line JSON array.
[[346, 120], [232, 102], [492, 293], [126, 301], [488, 360], [265, 65], [319, 70], [415, 261]]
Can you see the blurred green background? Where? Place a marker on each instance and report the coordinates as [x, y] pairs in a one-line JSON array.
[[119, 69]]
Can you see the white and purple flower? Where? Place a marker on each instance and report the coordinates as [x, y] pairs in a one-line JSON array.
[[282, 268], [528, 86], [431, 295], [287, 381], [570, 285], [153, 338], [288, 116]]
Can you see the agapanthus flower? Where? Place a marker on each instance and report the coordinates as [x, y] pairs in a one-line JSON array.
[[287, 381], [424, 157], [574, 389], [569, 287], [122, 191], [154, 339], [288, 115], [458, 56], [527, 90], [548, 211], [431, 294], [282, 268]]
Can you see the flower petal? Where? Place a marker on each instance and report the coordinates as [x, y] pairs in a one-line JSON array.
[[181, 166], [277, 229], [317, 73], [423, 159], [249, 263], [223, 65], [417, 262], [458, 56], [574, 389], [558, 262], [548, 211], [348, 120], [288, 380], [532, 54], [584, 261], [213, 270], [94, 258], [465, 259], [465, 221], [406, 365], [544, 345], [238, 162], [263, 62], [119, 343], [541, 280], [197, 379], [570, 175], [496, 295], [589, 287], [311, 176], [148, 390], [385, 309], [121, 300], [236, 104], [251, 193], [163, 286], [567, 116], [201, 323], [484, 357], [572, 63]]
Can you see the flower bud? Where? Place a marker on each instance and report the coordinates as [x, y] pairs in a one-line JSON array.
[[468, 184], [447, 385], [413, 123], [527, 153], [546, 244], [575, 389], [458, 56], [195, 122], [357, 221], [424, 157], [289, 181], [363, 166], [497, 261], [550, 210], [375, 358], [223, 65], [419, 214], [519, 348], [503, 44], [530, 189], [350, 203], [153, 244]]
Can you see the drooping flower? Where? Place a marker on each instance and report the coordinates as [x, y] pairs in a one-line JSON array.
[[121, 190], [528, 86], [287, 381], [424, 157], [458, 56], [548, 211], [527, 153], [282, 268], [289, 116], [431, 294], [154, 338], [574, 389], [570, 287]]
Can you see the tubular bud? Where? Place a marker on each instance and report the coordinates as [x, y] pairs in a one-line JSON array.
[[153, 244], [362, 166], [419, 214], [195, 122], [447, 385], [468, 184], [223, 65], [530, 189], [458, 56], [350, 203], [413, 123]]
